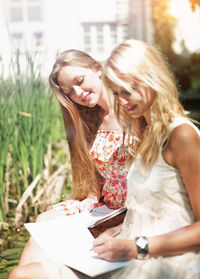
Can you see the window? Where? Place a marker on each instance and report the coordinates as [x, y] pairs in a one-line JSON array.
[[87, 38], [125, 31], [25, 10], [113, 31], [100, 38], [16, 14], [87, 43], [33, 1], [99, 28], [34, 13], [38, 38], [15, 1], [86, 28], [17, 39]]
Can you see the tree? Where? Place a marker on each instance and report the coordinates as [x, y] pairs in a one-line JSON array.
[[164, 25], [186, 67], [194, 4]]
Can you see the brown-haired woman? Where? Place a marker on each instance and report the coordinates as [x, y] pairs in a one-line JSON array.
[[97, 146]]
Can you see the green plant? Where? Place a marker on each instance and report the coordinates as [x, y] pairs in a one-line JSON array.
[[30, 120]]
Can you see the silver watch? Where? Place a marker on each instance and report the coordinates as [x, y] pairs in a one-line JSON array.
[[142, 248]]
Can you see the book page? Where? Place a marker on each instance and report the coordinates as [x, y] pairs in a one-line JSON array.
[[66, 240], [99, 215]]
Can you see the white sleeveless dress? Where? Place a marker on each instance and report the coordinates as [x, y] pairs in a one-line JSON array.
[[158, 203]]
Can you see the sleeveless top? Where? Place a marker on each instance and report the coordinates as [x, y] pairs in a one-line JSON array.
[[109, 155], [157, 202], [110, 160]]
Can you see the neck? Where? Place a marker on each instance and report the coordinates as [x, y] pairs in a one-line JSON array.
[[104, 102], [147, 117]]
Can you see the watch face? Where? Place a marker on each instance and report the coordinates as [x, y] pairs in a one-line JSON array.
[[142, 248], [142, 242]]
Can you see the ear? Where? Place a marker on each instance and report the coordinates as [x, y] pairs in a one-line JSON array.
[[99, 74]]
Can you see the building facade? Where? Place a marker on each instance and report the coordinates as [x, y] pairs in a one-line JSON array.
[[47, 27]]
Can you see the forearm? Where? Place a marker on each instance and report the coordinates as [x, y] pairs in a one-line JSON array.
[[176, 242]]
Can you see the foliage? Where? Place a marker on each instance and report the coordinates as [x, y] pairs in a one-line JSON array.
[[185, 67], [187, 72], [194, 4], [30, 121], [164, 24]]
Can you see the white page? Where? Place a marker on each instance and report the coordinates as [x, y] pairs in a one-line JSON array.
[[99, 213], [67, 240]]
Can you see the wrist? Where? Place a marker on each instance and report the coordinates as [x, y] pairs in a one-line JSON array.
[[142, 247]]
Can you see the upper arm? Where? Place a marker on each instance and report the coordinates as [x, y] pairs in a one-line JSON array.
[[185, 147]]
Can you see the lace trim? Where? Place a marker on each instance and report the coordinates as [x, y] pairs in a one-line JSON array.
[[152, 209]]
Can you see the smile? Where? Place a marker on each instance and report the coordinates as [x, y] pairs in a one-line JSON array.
[[87, 97], [130, 109]]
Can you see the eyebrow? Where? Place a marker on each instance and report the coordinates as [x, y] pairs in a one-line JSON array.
[[75, 79]]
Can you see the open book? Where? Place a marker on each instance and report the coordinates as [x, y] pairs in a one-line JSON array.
[[68, 242], [99, 215]]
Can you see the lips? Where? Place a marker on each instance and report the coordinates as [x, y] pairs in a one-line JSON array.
[[130, 109], [87, 97]]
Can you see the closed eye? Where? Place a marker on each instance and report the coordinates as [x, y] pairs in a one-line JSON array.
[[70, 92], [80, 80], [135, 88], [124, 92]]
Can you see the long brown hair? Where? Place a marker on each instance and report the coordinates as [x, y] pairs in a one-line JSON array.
[[81, 124]]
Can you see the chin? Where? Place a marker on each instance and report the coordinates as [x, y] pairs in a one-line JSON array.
[[135, 115], [91, 105]]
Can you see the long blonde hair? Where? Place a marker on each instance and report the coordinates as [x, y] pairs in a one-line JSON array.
[[81, 124], [135, 61]]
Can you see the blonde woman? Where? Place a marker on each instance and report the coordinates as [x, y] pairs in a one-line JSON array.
[[161, 230], [96, 144]]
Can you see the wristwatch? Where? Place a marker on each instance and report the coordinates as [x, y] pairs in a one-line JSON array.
[[142, 248]]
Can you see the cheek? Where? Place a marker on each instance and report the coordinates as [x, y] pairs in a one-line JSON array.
[[99, 85], [137, 98], [75, 99], [120, 100]]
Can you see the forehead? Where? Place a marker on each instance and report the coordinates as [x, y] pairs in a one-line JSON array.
[[68, 74]]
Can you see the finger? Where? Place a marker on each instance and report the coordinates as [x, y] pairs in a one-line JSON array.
[[100, 240], [106, 256], [99, 249]]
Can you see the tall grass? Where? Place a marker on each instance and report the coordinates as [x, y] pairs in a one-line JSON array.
[[30, 119]]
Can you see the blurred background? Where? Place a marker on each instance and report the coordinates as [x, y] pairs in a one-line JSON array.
[[34, 158]]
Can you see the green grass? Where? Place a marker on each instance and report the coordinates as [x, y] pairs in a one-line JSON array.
[[30, 119]]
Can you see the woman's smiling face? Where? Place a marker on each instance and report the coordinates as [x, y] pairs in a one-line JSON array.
[[138, 103], [82, 85]]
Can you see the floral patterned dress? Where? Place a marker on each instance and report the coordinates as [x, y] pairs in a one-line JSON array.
[[109, 155]]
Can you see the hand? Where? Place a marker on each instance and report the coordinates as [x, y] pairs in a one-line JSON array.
[[88, 204], [109, 232], [114, 249]]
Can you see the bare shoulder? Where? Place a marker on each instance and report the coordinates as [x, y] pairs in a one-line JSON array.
[[183, 135], [183, 143]]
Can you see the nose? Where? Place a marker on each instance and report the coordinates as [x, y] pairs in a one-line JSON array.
[[122, 101], [77, 90]]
